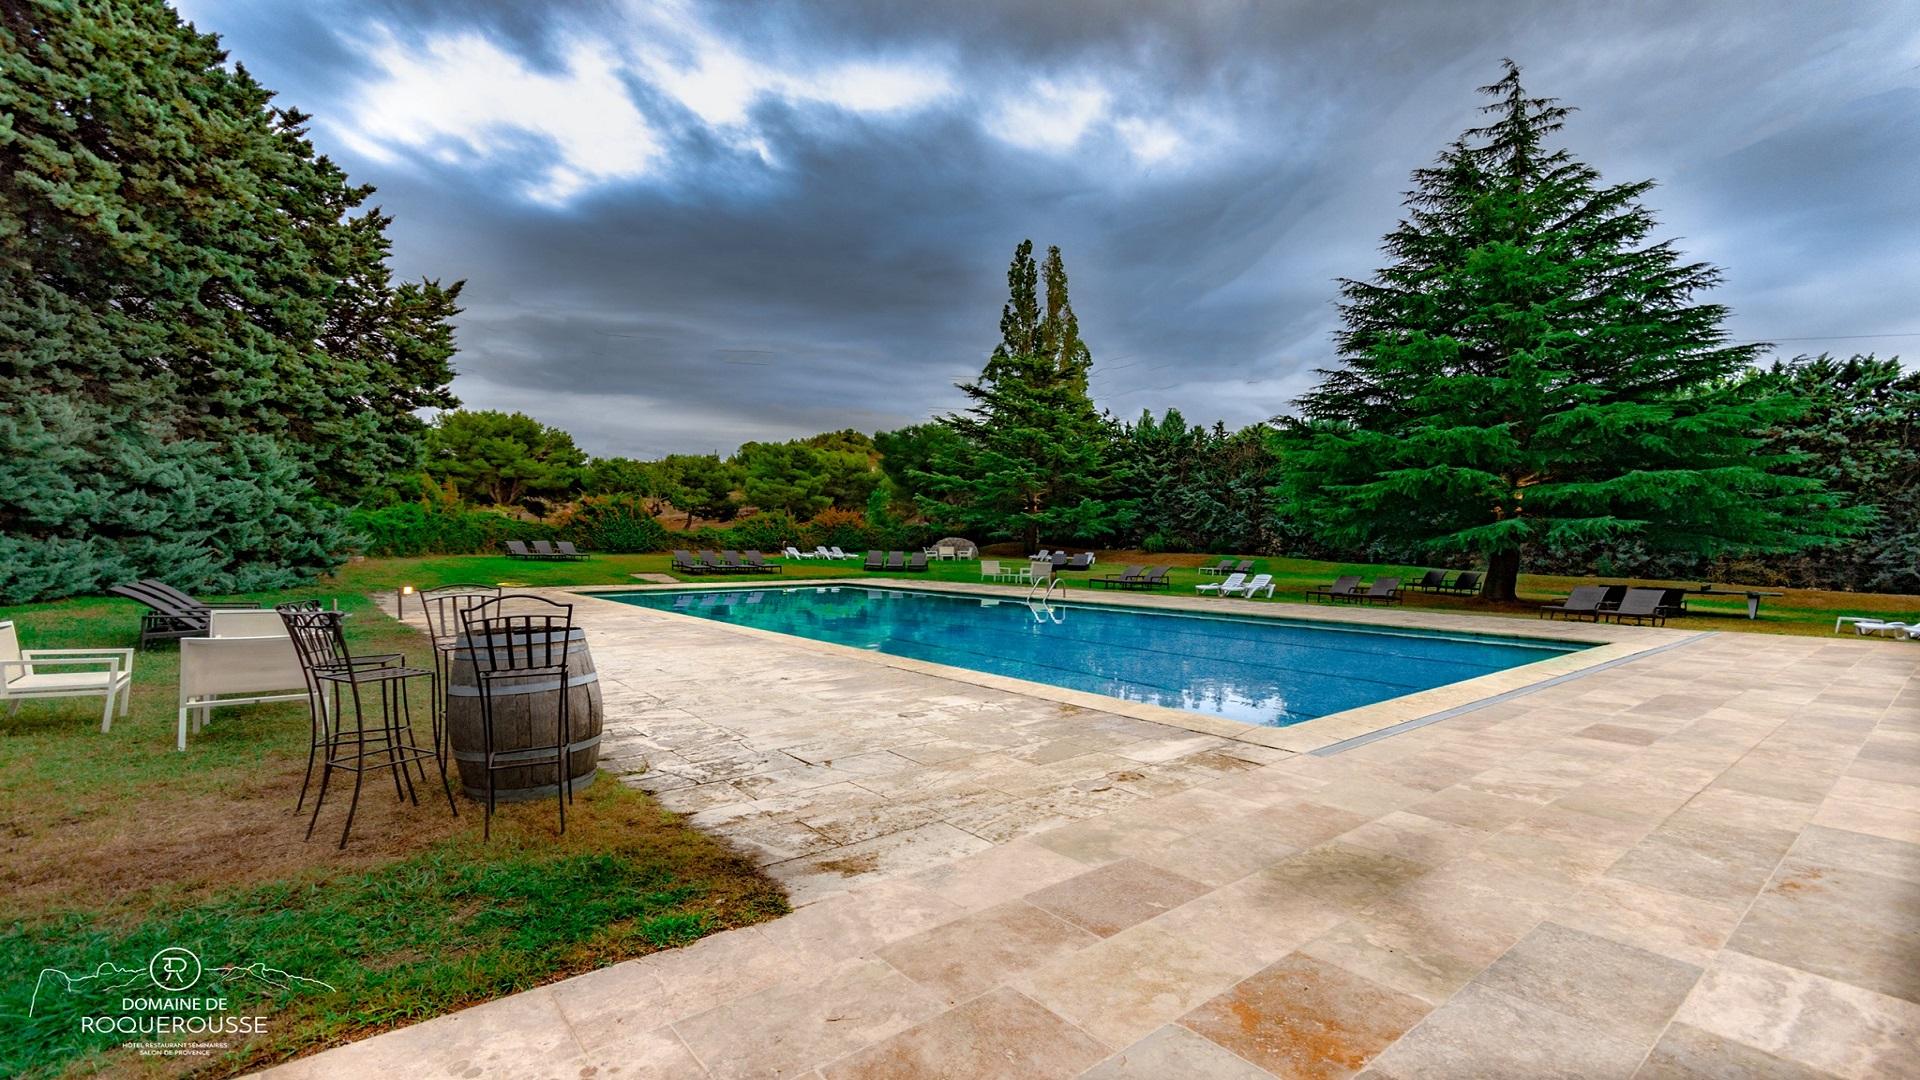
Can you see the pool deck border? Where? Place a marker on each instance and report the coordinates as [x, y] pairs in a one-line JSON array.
[[1610, 645]]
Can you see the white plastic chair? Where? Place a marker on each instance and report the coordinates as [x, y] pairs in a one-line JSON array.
[[836, 553], [795, 553], [22, 677], [244, 652]]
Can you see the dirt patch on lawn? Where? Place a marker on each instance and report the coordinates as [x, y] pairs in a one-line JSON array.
[[191, 845]]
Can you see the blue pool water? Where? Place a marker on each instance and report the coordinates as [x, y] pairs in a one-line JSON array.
[[1260, 671]]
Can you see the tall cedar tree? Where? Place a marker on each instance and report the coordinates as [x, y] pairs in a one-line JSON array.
[[1031, 458], [1531, 372], [200, 345], [1860, 436]]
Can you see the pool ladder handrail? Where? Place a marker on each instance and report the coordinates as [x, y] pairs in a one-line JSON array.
[[1046, 599]]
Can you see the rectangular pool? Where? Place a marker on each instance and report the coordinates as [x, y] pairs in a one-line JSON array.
[[1274, 672]]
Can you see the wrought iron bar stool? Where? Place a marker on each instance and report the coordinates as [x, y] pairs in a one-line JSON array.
[[442, 606], [521, 652], [321, 715], [321, 644]]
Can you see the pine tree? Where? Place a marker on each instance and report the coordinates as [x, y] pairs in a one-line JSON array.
[[1032, 456], [1530, 373], [200, 345]]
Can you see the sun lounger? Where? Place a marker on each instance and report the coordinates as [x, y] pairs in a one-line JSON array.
[[516, 549], [1344, 587], [758, 563], [835, 553], [792, 552], [1155, 578], [875, 561], [1260, 582], [1082, 561], [1466, 584], [1431, 580], [1585, 600], [918, 564], [1640, 605], [1384, 590], [896, 560], [731, 562], [1873, 625], [1233, 582], [544, 550], [568, 551], [171, 614], [1124, 578], [1219, 569], [684, 562]]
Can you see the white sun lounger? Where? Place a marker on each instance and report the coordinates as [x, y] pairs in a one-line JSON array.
[[1224, 588], [1867, 625], [1260, 581]]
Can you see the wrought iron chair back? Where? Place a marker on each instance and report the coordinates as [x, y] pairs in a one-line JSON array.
[[442, 606]]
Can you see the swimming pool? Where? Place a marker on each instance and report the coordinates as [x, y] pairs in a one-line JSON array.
[[1273, 672]]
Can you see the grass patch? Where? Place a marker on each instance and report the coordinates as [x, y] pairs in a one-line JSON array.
[[116, 846]]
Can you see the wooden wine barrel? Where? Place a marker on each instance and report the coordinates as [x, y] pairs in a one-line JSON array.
[[525, 714]]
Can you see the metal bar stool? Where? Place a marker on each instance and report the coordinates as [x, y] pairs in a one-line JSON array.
[[442, 606], [513, 648], [321, 644]]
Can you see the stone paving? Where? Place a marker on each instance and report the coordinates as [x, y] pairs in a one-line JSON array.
[[1701, 862]]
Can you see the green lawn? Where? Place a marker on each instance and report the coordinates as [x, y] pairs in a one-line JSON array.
[[1801, 611], [117, 846]]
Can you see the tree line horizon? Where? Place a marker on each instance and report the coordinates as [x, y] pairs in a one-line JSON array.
[[209, 376]]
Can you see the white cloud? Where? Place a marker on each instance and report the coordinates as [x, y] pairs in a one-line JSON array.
[[1049, 116], [462, 97], [1149, 140]]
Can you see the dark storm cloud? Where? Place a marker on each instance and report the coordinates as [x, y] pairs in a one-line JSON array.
[[685, 266]]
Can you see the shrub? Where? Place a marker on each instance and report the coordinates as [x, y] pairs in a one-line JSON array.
[[619, 524], [414, 529], [838, 528], [765, 531]]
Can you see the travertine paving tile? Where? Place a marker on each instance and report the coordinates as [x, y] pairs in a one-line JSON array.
[[977, 952], [791, 1027], [999, 1036], [1484, 1032], [1175, 1052], [1302, 1017], [1805, 1018], [1687, 1053], [1628, 991], [1124, 987], [1116, 896]]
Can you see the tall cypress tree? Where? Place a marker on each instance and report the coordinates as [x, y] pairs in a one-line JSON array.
[[200, 345], [1033, 455], [1530, 372]]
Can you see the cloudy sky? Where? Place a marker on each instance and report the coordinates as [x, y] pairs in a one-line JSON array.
[[688, 224]]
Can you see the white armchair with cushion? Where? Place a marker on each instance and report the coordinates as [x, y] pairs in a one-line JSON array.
[[246, 653], [57, 673]]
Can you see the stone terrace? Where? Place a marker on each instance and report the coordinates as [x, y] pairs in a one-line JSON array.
[[1702, 862]]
